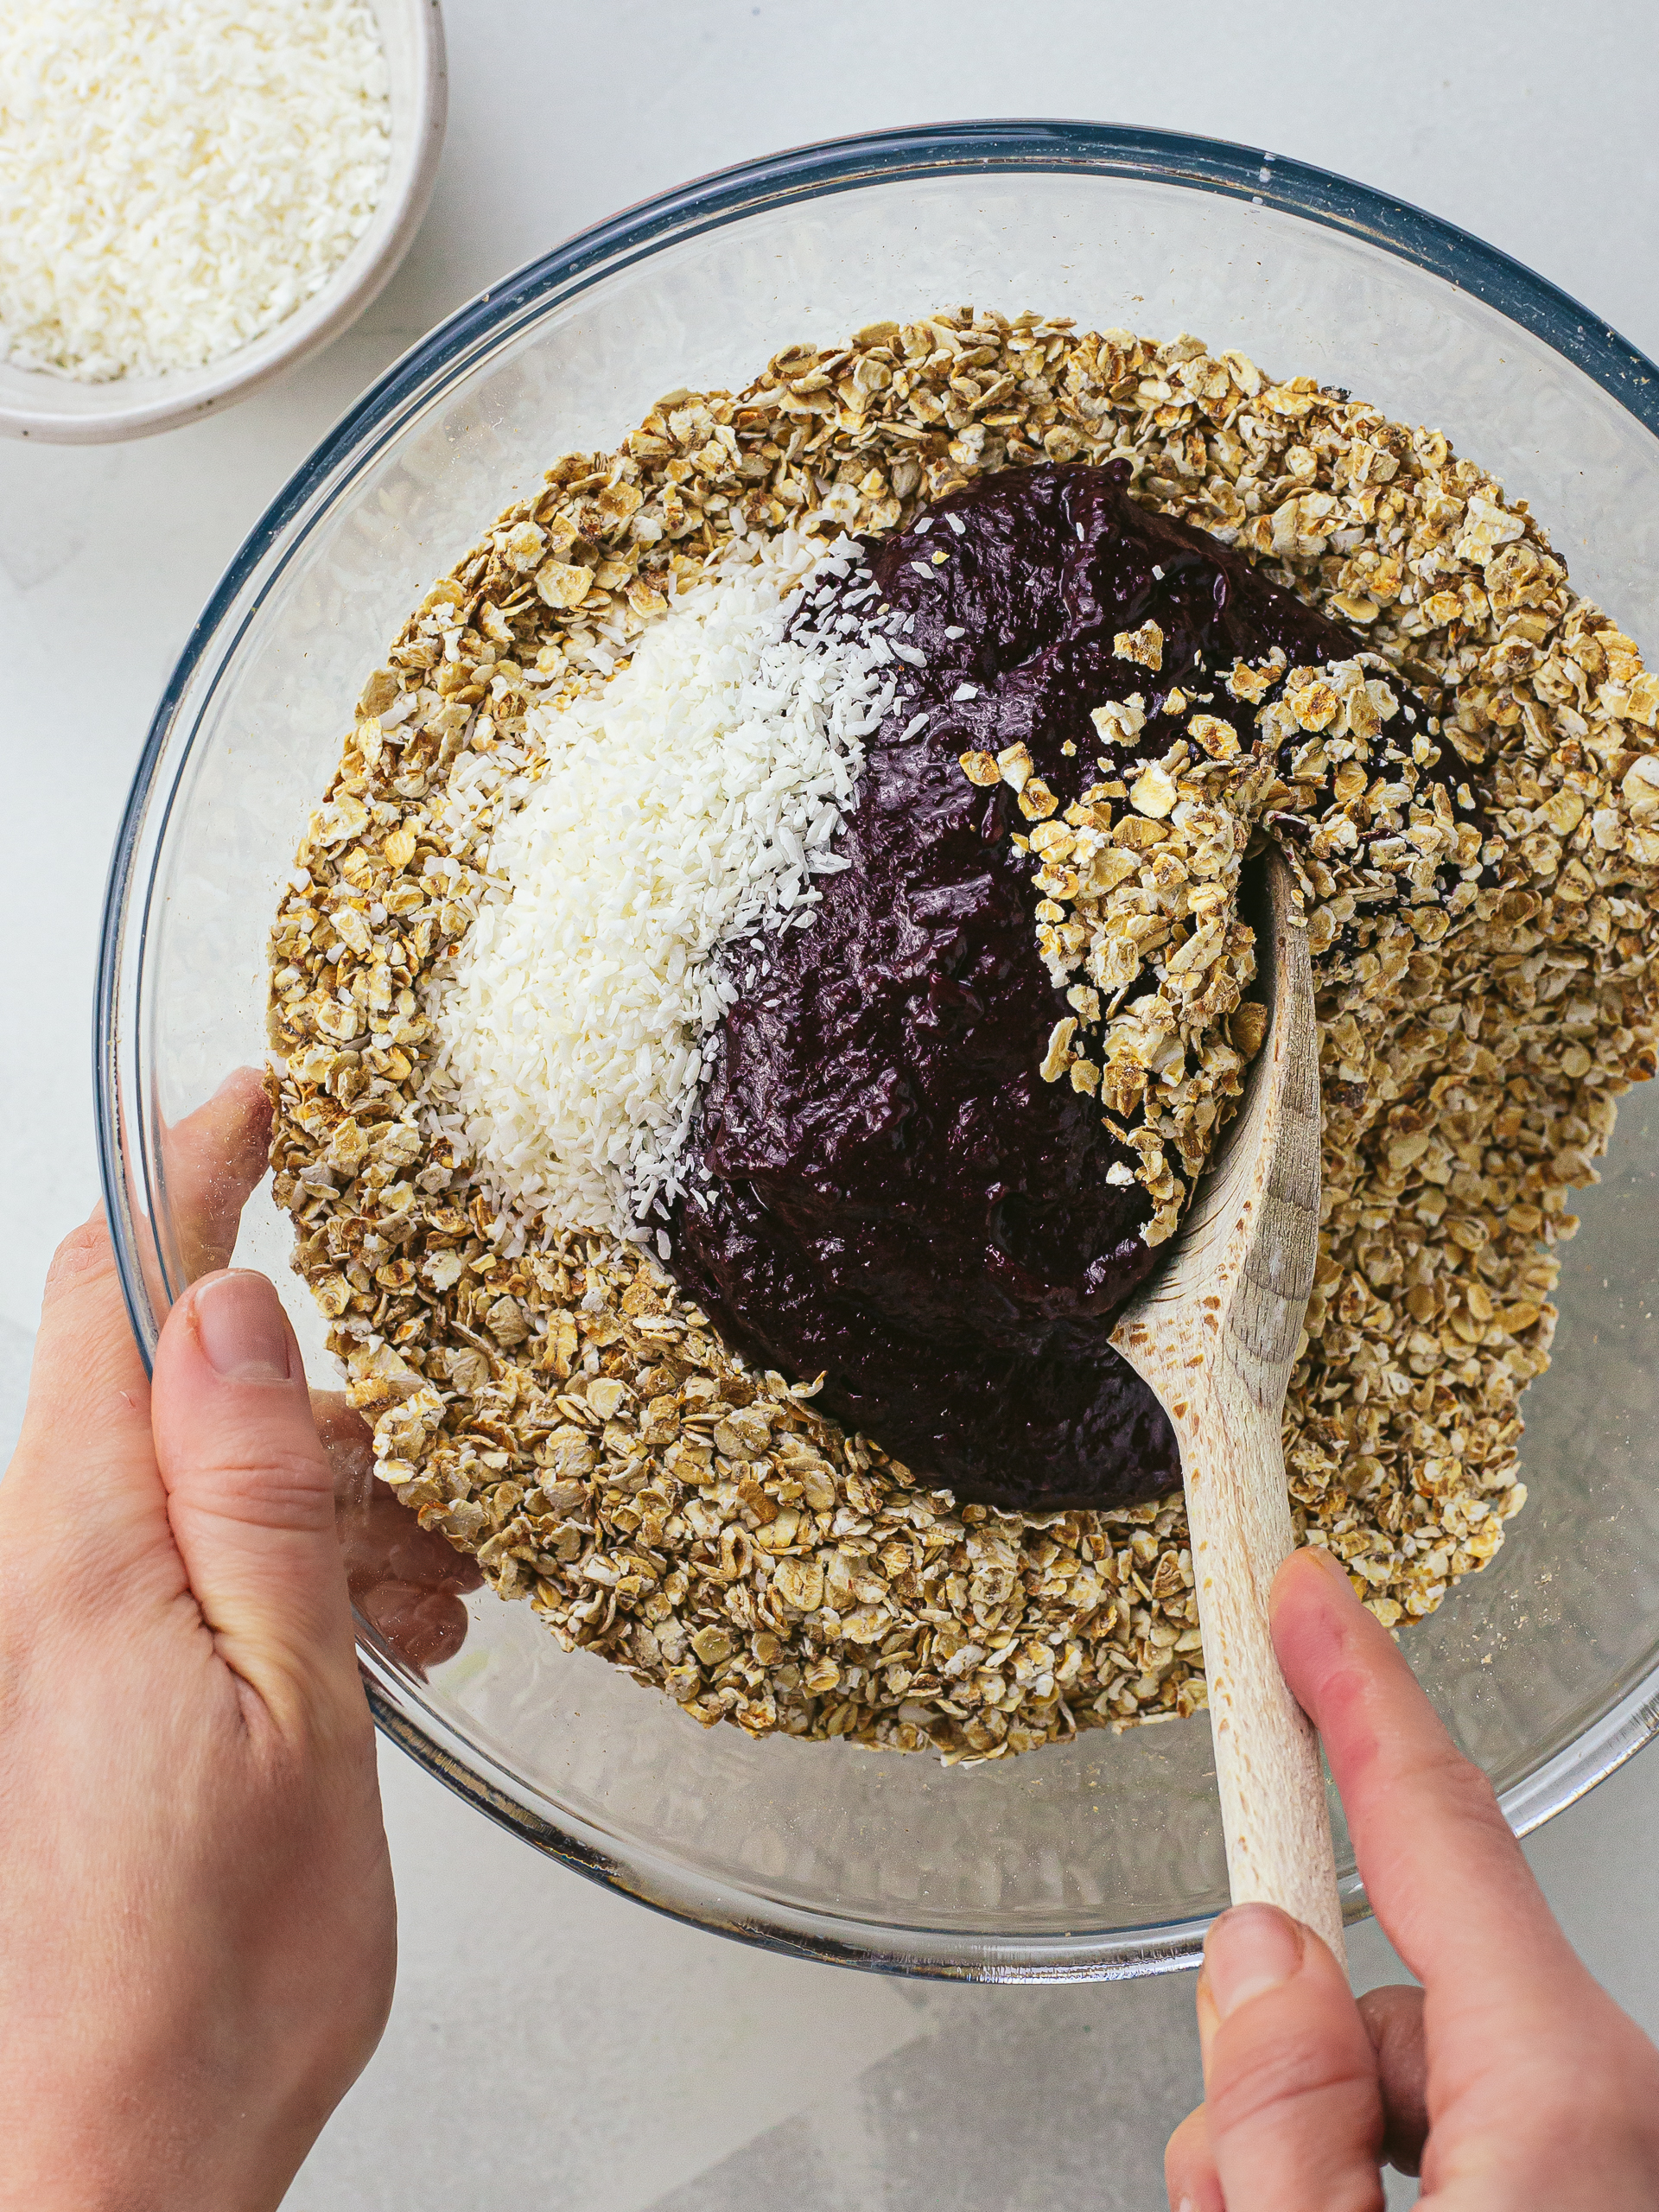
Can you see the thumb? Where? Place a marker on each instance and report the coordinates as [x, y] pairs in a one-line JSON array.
[[1292, 2119], [249, 1494]]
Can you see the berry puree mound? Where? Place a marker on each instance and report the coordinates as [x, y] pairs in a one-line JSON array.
[[895, 1198]]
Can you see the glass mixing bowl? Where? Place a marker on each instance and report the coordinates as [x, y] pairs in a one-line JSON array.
[[1104, 1858]]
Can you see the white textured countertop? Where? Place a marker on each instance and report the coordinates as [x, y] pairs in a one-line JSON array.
[[552, 2045]]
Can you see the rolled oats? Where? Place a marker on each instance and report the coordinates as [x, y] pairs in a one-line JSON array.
[[550, 1403]]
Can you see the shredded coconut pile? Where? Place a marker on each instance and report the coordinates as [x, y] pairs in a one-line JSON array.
[[685, 806], [176, 177]]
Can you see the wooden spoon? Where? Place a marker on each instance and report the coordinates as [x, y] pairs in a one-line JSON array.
[[1214, 1334]]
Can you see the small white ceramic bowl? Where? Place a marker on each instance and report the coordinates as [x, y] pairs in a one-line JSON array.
[[60, 411]]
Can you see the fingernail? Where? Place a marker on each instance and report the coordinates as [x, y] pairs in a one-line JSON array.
[[1250, 1949], [1329, 1564], [240, 1328]]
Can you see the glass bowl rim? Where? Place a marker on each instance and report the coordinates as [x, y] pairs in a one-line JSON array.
[[802, 173]]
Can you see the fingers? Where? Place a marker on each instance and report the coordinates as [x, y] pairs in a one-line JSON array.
[[212, 1161], [1394, 2020], [83, 1482], [1539, 2081], [405, 1580], [87, 1387], [251, 1493], [1189, 2173], [1444, 1873], [207, 1164], [383, 1541], [421, 1627], [1292, 2119], [349, 1442], [89, 1395]]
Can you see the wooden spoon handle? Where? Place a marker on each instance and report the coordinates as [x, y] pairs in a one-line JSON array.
[[1271, 1787], [1215, 1334]]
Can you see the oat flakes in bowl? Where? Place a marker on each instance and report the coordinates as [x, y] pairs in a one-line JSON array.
[[577, 1287]]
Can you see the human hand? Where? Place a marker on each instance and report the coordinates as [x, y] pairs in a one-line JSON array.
[[406, 1581], [1510, 2080], [196, 1921]]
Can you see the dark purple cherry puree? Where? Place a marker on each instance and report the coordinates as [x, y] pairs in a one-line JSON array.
[[897, 1199]]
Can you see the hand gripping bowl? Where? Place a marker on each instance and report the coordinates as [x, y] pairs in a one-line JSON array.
[[1102, 1858]]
